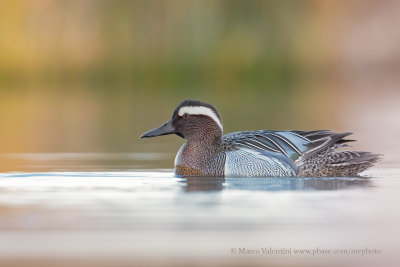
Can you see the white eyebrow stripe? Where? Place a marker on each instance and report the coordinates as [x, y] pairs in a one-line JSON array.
[[199, 110]]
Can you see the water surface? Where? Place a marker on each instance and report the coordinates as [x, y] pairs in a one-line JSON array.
[[152, 217]]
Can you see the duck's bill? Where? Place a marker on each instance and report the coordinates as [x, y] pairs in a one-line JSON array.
[[166, 128]]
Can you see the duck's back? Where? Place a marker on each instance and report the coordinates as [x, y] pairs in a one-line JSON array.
[[291, 153]]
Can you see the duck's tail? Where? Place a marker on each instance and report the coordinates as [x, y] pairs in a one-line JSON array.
[[332, 162]]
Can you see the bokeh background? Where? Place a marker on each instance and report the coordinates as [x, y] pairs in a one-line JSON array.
[[91, 76]]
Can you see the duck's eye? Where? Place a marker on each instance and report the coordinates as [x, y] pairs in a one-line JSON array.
[[185, 115]]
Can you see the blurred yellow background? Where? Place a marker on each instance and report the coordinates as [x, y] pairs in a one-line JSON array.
[[91, 76]]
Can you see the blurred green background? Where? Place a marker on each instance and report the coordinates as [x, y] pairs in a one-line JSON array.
[[91, 76]]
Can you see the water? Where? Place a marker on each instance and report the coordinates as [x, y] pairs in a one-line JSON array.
[[150, 217]]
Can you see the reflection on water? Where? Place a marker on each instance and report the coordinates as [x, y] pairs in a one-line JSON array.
[[132, 213], [272, 184]]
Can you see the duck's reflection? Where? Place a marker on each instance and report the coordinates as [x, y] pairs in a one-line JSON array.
[[272, 184]]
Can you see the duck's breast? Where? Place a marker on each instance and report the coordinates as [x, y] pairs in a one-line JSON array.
[[198, 162]]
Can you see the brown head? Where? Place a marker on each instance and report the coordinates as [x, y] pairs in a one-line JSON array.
[[194, 121]]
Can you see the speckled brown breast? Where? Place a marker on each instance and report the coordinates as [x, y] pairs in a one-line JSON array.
[[187, 171], [195, 161]]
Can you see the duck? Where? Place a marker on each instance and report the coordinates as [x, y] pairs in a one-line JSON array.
[[207, 152]]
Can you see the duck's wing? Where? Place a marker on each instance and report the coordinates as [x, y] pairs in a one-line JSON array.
[[296, 145]]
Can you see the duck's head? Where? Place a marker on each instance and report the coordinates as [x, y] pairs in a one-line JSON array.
[[191, 120]]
